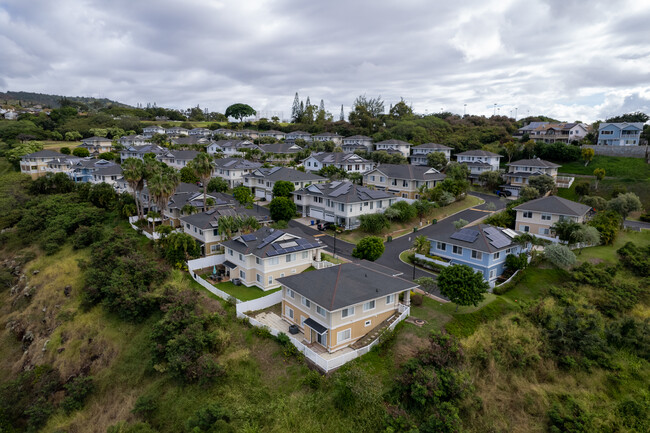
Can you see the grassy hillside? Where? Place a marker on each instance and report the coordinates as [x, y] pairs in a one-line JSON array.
[[28, 99]]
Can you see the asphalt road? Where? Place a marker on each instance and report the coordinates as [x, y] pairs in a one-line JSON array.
[[390, 258], [636, 225]]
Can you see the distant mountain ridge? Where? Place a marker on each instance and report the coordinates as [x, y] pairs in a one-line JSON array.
[[28, 99]]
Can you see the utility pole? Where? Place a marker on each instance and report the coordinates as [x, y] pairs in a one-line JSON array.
[[495, 109], [464, 109]]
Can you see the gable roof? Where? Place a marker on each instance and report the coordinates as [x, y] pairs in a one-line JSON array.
[[535, 162], [393, 142], [623, 125], [533, 125], [284, 173], [344, 191], [337, 157], [281, 148], [43, 154], [96, 138], [556, 205], [410, 172], [432, 146], [478, 153], [481, 237], [357, 137], [344, 285], [268, 242], [210, 219], [236, 164], [190, 139]]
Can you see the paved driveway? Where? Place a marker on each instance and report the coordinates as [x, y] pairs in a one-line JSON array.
[[636, 225]]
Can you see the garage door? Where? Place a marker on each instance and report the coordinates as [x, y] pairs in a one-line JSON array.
[[260, 193], [316, 213], [269, 196], [330, 218]]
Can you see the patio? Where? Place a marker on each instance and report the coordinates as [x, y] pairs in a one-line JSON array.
[[274, 321]]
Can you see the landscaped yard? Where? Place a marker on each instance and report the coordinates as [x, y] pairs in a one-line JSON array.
[[615, 166], [330, 258], [607, 253], [606, 187], [398, 229], [56, 145], [242, 292]]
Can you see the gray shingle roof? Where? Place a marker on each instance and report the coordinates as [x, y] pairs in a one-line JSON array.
[[432, 146], [210, 219], [261, 239], [536, 162], [394, 142], [480, 243], [236, 164], [43, 154], [345, 285], [284, 173], [357, 137], [280, 148], [109, 171], [555, 205], [407, 171], [338, 158], [344, 192], [478, 153]]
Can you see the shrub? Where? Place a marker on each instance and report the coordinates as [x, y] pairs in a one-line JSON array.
[[516, 262], [369, 248], [416, 299], [559, 255], [81, 152], [406, 211], [373, 223], [210, 418], [568, 416], [282, 209], [76, 393], [637, 259]]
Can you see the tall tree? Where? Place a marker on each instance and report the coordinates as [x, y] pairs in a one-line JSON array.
[[239, 111], [202, 166], [599, 173], [295, 109], [462, 285], [342, 115], [422, 245], [321, 106], [133, 172], [162, 186]]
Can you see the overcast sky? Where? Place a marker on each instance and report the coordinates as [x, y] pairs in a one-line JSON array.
[[568, 59]]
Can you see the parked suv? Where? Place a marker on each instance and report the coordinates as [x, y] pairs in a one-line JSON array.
[[503, 193], [325, 226]]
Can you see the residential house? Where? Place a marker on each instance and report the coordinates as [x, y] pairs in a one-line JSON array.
[[419, 153], [97, 145], [350, 162], [11, 115], [539, 215], [520, 171], [559, 132], [186, 193], [233, 170], [341, 202], [140, 151], [403, 180], [65, 164], [246, 133], [337, 306], [204, 226], [177, 131], [109, 174], [357, 142], [328, 136], [35, 164], [482, 247], [191, 140], [178, 158], [295, 135], [151, 130], [223, 132], [479, 161], [260, 258], [278, 135], [200, 132], [231, 147], [395, 145], [262, 180], [280, 152], [619, 134], [530, 129], [132, 140]]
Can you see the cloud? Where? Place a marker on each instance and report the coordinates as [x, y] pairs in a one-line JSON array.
[[556, 58]]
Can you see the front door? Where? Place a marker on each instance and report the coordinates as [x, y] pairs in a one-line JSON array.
[[321, 339]]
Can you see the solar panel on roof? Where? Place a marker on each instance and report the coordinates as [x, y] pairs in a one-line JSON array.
[[497, 239], [510, 232], [211, 211], [270, 238], [341, 190], [466, 235], [335, 184], [249, 238]]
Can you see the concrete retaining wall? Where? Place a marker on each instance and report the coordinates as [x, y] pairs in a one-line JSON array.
[[628, 151]]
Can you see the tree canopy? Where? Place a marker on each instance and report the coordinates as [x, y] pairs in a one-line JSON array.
[[239, 111], [462, 285], [369, 248]]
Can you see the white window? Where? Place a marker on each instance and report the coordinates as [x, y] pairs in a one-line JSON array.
[[320, 310], [525, 228], [258, 278], [302, 320], [492, 273], [367, 323], [543, 231], [528, 214], [347, 312], [291, 258], [214, 248], [274, 260], [289, 312], [258, 260], [457, 250], [477, 255], [370, 305], [497, 255], [242, 274], [270, 279], [390, 299], [306, 302], [305, 255], [546, 217], [291, 293], [241, 257], [441, 246], [344, 335]]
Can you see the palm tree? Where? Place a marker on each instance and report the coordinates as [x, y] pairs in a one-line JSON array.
[[422, 245], [151, 167], [250, 224], [133, 171], [188, 209], [225, 227], [162, 186], [202, 167]]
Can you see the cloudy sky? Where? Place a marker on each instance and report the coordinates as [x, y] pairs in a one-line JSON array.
[[568, 59]]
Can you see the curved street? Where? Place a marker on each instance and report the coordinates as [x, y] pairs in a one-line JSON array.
[[390, 258]]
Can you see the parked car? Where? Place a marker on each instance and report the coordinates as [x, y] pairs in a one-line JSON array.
[[503, 193], [325, 226]]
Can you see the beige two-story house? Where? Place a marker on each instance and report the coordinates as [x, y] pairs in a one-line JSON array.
[[400, 146], [262, 181], [233, 170], [402, 180], [520, 171], [260, 258], [539, 215], [35, 164], [335, 307]]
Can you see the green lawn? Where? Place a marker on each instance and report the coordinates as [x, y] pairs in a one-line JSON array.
[[615, 166], [242, 292], [605, 188], [329, 258], [607, 253], [398, 229]]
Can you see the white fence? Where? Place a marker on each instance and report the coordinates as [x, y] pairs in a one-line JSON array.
[[327, 365], [259, 303], [205, 262], [322, 264], [211, 288]]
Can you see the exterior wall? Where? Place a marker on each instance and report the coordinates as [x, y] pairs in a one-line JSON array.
[[422, 153], [350, 213], [538, 226], [613, 135], [492, 160], [403, 149], [409, 190]]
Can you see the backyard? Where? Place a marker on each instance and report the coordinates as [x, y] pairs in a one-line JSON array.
[[242, 292], [398, 229], [615, 166]]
